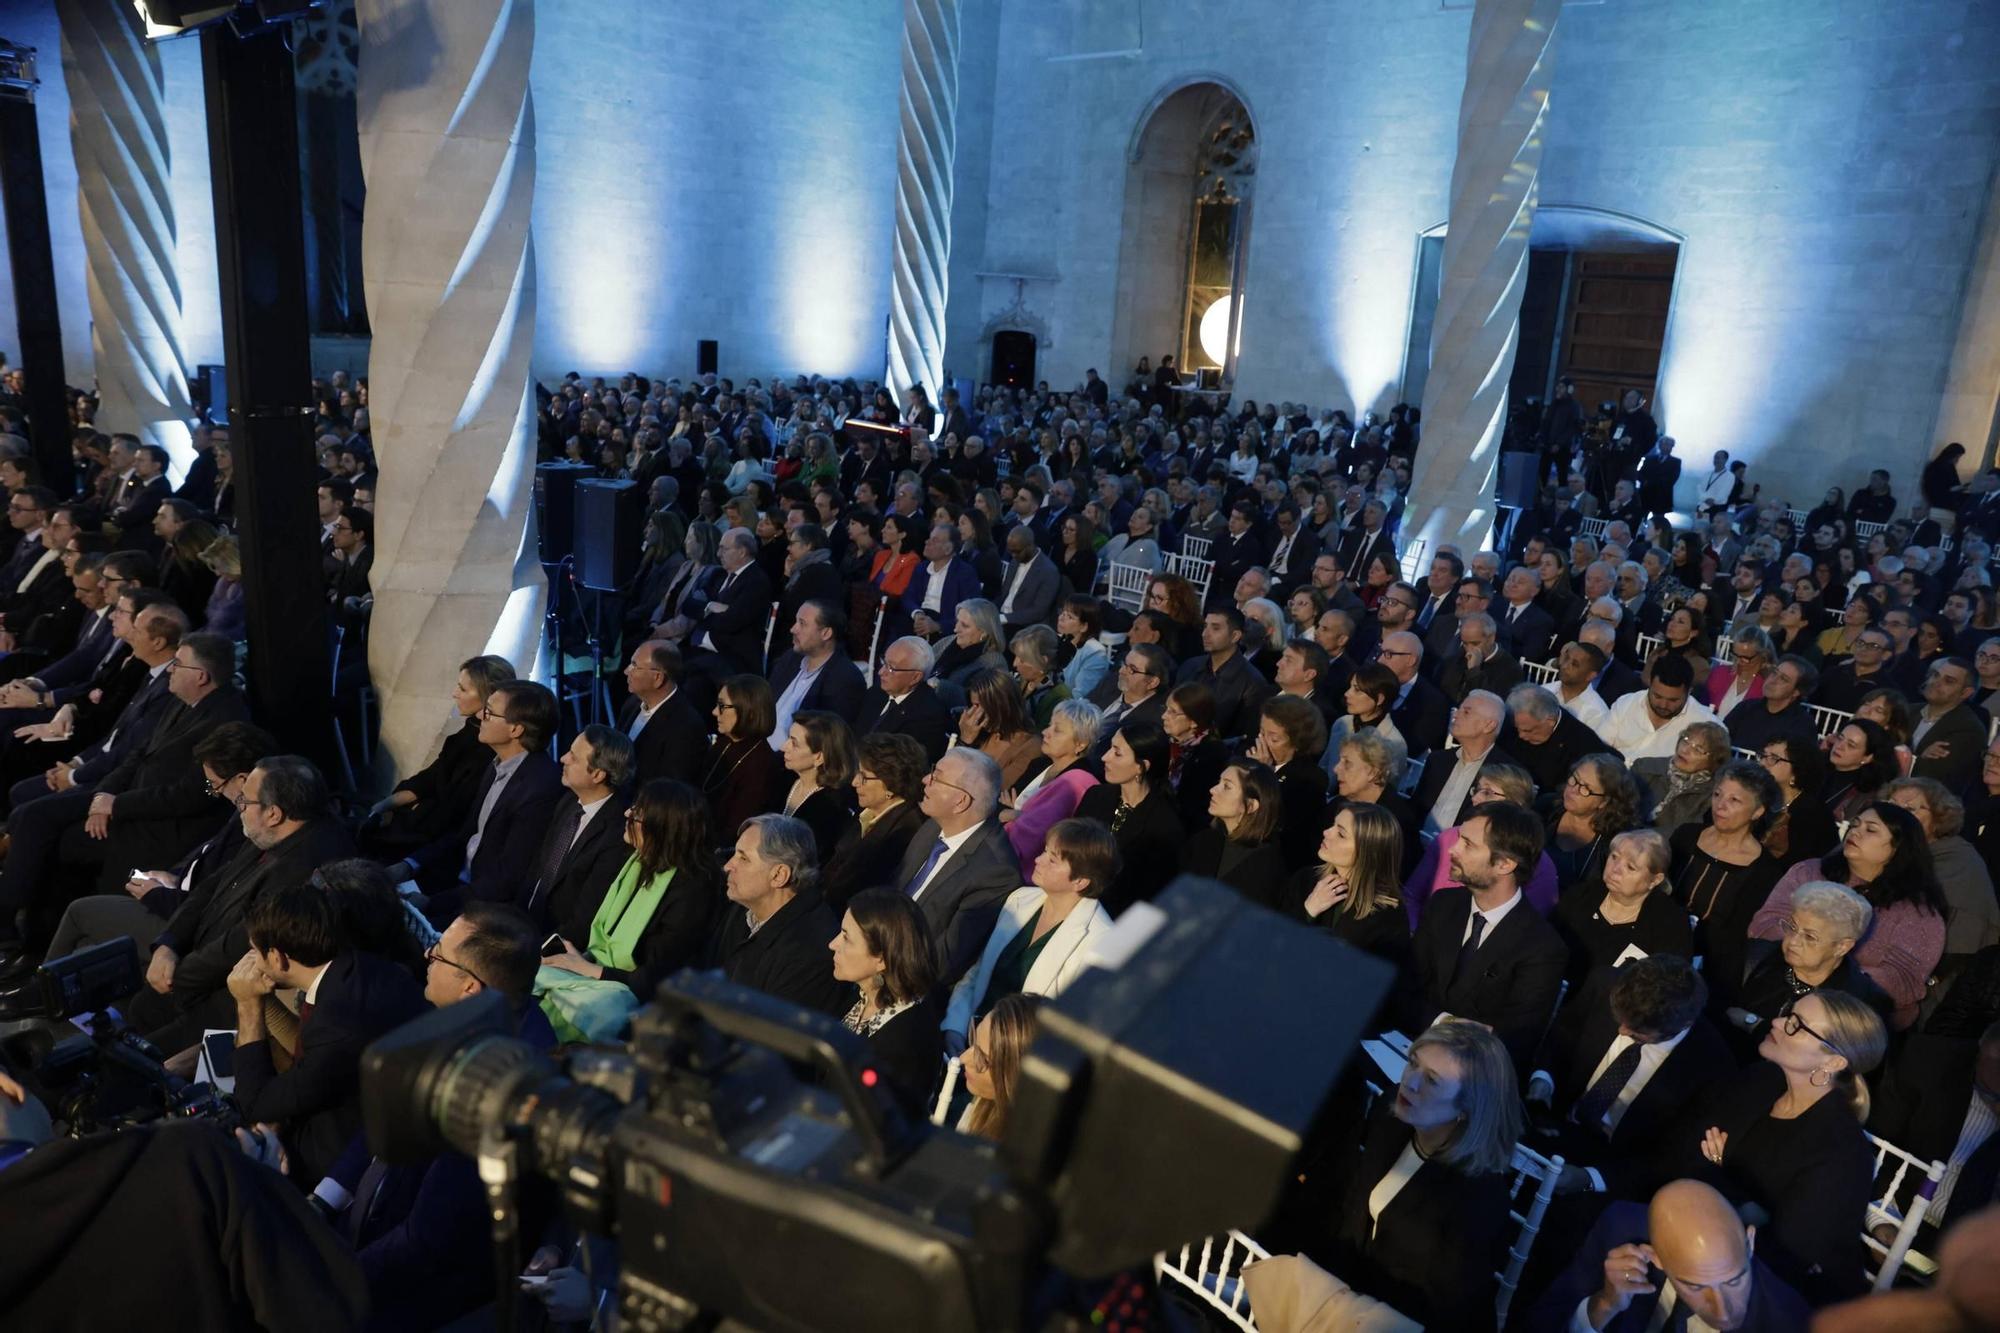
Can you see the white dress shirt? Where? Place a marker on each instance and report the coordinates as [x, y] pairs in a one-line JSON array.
[[952, 842], [1629, 727]]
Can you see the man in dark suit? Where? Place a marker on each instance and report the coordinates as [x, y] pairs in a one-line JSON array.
[[130, 522], [584, 848], [1444, 797], [774, 938], [1545, 738], [960, 866], [1686, 1256], [1364, 543], [288, 833], [33, 586], [1437, 619], [809, 573], [941, 582], [1478, 662], [1949, 739], [1140, 693], [1525, 629], [1235, 552], [1480, 951], [1621, 1064], [1239, 688], [1293, 553], [28, 511], [26, 698], [491, 856], [902, 698], [420, 1231], [731, 624], [815, 673], [351, 998], [1030, 584], [667, 734], [1420, 710]]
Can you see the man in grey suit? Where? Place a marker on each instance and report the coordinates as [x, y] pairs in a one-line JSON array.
[[960, 866], [1029, 588]]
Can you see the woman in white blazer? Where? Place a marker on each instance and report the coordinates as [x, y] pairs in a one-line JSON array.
[[1048, 931]]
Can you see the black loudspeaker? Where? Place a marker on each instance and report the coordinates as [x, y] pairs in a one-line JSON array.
[[610, 532], [1518, 479], [555, 505], [706, 355]]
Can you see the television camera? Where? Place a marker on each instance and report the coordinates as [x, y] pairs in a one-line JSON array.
[[744, 1153]]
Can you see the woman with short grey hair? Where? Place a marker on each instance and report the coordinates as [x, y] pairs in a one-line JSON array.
[[1053, 795], [1815, 952]]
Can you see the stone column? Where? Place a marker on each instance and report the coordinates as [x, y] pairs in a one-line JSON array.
[[448, 149], [118, 131], [1970, 409], [1501, 115], [924, 149]]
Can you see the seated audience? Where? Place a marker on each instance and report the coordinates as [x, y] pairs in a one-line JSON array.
[[1239, 843], [992, 1064], [744, 775], [1496, 782], [1599, 800], [774, 931], [1804, 828], [959, 866], [1289, 736], [584, 848], [1052, 794], [1353, 893], [434, 800], [1635, 915], [888, 784], [1136, 802], [1677, 788], [819, 753], [1721, 872]]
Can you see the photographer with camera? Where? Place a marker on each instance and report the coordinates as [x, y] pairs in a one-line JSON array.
[[296, 943]]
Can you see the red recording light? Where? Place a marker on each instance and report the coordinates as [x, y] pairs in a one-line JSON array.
[[869, 1078]]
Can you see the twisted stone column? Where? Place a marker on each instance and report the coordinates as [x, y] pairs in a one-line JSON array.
[[924, 148], [118, 131], [1501, 116], [448, 149]]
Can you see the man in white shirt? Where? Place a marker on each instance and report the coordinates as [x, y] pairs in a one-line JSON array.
[[1577, 666], [1648, 723]]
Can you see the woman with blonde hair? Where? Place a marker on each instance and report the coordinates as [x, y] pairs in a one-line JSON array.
[[1785, 1135], [1630, 907], [1422, 1220], [992, 1063]]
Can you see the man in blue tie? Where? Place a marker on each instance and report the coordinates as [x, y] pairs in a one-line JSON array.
[[960, 866]]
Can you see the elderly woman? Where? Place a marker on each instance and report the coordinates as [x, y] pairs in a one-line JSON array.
[[1264, 640], [1239, 846], [1884, 858], [1052, 795], [1366, 772], [1290, 735], [1679, 787], [1599, 799], [888, 786], [1352, 888], [1721, 872], [1047, 930], [1421, 1218], [1785, 1135], [1861, 761], [1804, 828], [1136, 802], [1816, 952], [1636, 910], [977, 643], [996, 722], [1972, 918], [1078, 624], [819, 754], [884, 950], [1751, 656], [1034, 652]]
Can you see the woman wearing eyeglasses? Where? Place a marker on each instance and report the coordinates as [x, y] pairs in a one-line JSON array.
[[654, 920], [1885, 859], [1815, 952], [1679, 786], [1805, 827], [1598, 800], [1742, 679], [1786, 1137], [743, 776]]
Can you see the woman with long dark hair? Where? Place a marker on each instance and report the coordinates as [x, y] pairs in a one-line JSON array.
[[1860, 761], [1804, 828], [743, 775], [654, 919], [1239, 846], [992, 1063], [1598, 801], [1885, 859], [884, 949], [1136, 802]]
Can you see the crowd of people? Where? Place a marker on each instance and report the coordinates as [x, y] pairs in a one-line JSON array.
[[1678, 842]]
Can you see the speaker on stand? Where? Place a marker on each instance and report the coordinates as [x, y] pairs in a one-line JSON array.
[[609, 525], [555, 542], [1520, 477]]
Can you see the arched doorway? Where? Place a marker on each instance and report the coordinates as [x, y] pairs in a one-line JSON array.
[[1190, 175], [1013, 358]]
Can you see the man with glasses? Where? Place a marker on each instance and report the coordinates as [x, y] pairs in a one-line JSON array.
[[667, 734], [36, 613], [959, 866], [1420, 710], [348, 589], [1686, 1257], [1782, 711], [1648, 724], [1140, 696], [285, 812], [902, 700], [27, 698], [490, 857], [1844, 684], [1546, 739]]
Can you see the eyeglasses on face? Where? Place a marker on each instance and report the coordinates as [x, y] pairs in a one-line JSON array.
[[1792, 1025], [1576, 781], [431, 955], [489, 713]]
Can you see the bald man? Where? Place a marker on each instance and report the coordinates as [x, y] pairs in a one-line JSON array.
[[1687, 1261]]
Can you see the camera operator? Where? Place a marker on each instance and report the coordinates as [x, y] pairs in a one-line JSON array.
[[240, 1248], [420, 1232], [350, 999]]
